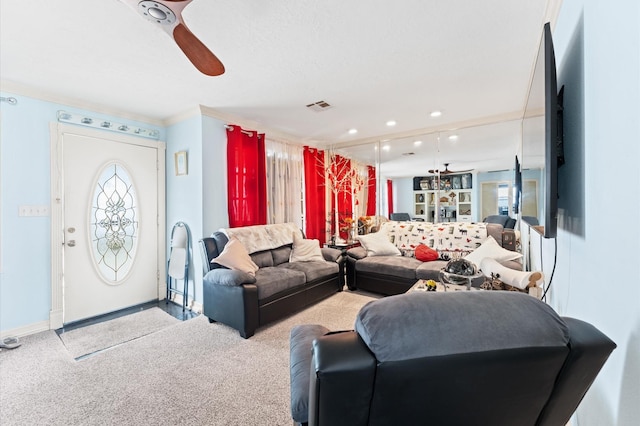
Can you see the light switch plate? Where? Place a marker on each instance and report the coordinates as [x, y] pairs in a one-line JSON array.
[[33, 211]]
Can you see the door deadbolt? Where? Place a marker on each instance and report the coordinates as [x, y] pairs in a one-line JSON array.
[[71, 243], [71, 230]]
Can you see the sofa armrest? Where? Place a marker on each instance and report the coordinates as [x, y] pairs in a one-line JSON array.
[[228, 277], [331, 254], [590, 349], [300, 344], [342, 380], [357, 252]]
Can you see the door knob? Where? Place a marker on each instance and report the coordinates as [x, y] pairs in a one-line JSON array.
[[71, 243]]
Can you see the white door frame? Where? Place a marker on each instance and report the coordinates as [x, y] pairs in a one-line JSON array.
[[56, 316]]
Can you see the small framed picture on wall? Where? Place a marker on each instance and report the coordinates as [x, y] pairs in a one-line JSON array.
[[182, 167]]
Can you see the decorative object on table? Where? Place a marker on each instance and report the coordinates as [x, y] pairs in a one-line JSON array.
[[431, 285], [493, 283], [459, 272]]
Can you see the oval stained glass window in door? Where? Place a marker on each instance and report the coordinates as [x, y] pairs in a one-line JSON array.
[[114, 223]]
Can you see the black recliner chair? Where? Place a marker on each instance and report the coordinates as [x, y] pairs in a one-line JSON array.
[[464, 358]]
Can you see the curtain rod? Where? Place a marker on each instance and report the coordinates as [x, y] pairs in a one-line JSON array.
[[246, 132]]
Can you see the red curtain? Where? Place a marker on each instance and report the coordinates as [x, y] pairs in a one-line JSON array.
[[371, 191], [341, 170], [390, 196], [246, 177], [315, 200]]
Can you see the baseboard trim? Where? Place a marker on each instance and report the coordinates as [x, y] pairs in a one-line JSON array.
[[193, 306], [26, 330]]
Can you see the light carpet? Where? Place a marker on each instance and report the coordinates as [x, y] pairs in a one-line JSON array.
[[93, 338], [191, 372]]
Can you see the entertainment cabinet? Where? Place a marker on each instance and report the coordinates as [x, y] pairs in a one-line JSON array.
[[447, 198], [454, 205]]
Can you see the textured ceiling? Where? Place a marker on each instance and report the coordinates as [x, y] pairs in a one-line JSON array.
[[372, 60]]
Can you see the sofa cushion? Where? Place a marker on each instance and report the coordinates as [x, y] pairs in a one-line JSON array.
[[490, 248], [262, 258], [396, 328], [235, 256], [281, 255], [378, 244], [430, 270], [274, 279], [304, 250], [314, 269], [228, 277], [399, 266]]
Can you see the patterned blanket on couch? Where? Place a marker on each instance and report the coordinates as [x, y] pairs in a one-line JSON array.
[[451, 240]]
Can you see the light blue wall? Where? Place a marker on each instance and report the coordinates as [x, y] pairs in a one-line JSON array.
[[199, 199], [183, 193], [214, 175], [597, 279], [25, 279]]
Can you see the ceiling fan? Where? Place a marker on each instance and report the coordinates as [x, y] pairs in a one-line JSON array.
[[446, 170], [167, 14]]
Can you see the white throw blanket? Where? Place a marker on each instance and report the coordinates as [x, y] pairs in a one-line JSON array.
[[263, 237]]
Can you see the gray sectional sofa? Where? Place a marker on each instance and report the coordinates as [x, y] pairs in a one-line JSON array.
[[395, 274]]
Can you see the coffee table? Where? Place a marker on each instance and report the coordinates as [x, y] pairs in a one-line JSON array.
[[421, 285]]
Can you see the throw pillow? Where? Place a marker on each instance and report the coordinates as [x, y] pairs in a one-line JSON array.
[[378, 244], [491, 249], [305, 250], [425, 253], [235, 256]]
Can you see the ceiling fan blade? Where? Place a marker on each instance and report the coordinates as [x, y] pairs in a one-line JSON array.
[[167, 14], [199, 55]]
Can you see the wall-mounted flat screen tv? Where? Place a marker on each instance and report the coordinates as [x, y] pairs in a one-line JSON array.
[[542, 142]]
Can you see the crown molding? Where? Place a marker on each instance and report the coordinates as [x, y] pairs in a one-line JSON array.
[[185, 115], [270, 133], [32, 92]]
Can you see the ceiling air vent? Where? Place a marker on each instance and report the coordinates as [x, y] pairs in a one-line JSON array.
[[319, 106]]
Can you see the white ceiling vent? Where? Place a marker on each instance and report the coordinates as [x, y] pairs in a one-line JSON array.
[[319, 106]]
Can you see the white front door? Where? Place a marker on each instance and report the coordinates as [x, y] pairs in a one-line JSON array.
[[110, 223]]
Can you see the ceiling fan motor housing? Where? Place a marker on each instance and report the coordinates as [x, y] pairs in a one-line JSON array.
[[156, 12]]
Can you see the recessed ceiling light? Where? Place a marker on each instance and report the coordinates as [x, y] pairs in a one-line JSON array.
[[391, 123], [453, 137], [353, 131], [417, 143], [386, 148], [435, 114]]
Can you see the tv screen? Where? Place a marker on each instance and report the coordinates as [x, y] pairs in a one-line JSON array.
[[541, 137]]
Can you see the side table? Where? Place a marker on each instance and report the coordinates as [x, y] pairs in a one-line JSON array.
[[343, 247]]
